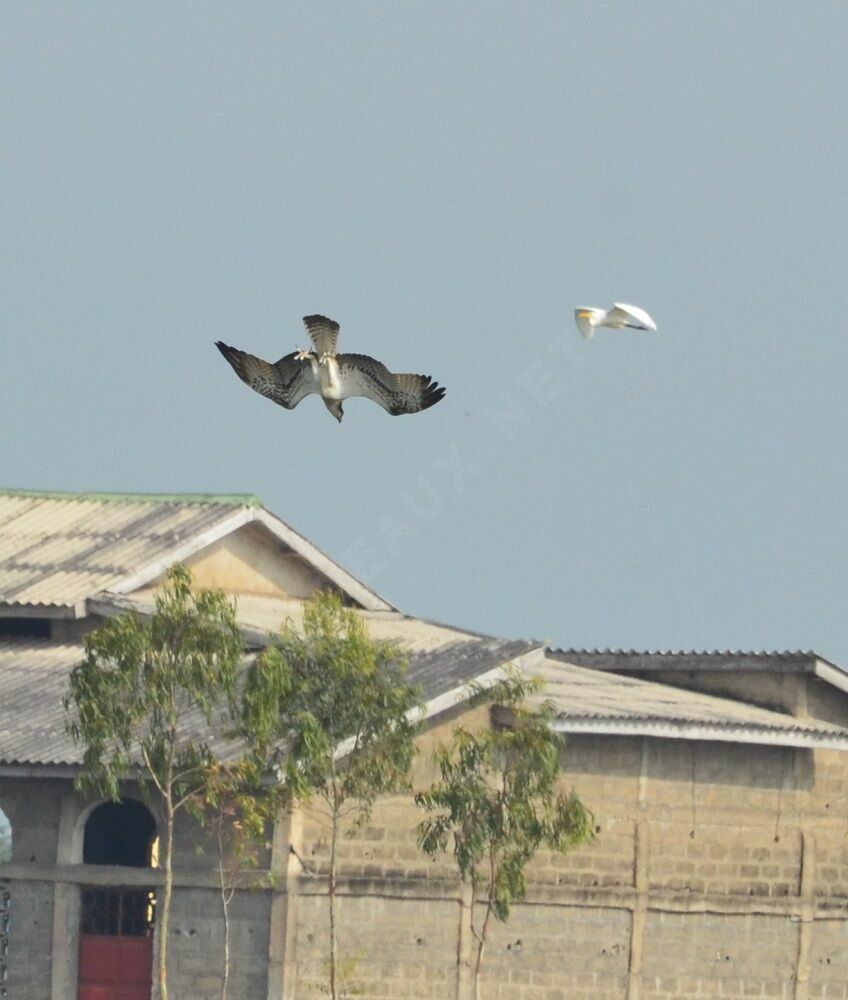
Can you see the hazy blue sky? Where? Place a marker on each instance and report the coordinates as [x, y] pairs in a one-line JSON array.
[[448, 180]]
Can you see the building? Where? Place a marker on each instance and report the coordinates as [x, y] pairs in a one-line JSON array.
[[717, 781]]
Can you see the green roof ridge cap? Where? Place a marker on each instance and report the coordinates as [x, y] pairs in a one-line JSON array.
[[228, 499]]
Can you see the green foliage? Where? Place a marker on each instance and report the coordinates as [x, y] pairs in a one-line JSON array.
[[144, 701], [240, 806], [329, 709], [496, 802], [142, 678], [330, 706]]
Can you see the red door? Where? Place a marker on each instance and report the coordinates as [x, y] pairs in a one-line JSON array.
[[115, 968], [116, 944]]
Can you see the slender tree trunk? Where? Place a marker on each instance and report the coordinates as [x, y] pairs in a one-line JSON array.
[[225, 905], [165, 915], [481, 944], [484, 930], [331, 886]]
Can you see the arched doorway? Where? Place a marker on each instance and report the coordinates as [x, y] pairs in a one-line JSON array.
[[116, 923]]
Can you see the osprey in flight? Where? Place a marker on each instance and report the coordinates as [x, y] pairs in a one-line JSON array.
[[334, 377]]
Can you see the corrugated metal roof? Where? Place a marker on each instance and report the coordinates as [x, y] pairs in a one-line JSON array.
[[266, 615], [587, 700], [34, 673], [34, 680], [57, 549], [728, 659], [34, 677], [457, 664], [417, 635]]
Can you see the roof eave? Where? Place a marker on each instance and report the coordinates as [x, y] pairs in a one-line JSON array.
[[667, 729], [36, 770], [463, 692], [10, 609], [831, 674]]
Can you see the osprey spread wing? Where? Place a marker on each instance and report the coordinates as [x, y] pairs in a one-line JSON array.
[[334, 377]]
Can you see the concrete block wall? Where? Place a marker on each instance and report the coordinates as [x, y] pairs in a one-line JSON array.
[[196, 959], [748, 834], [32, 809], [33, 812], [690, 956], [45, 878], [829, 960], [30, 940], [708, 860], [552, 951], [388, 947], [717, 870]]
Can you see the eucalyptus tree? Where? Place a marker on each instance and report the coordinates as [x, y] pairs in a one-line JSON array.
[[237, 806], [496, 803], [332, 711], [146, 701]]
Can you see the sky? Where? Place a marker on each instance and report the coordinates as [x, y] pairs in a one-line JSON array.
[[448, 181]]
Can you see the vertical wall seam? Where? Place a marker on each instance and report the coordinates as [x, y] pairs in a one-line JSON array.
[[805, 927]]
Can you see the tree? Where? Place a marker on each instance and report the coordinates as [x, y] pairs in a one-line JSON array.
[[496, 803], [133, 700], [331, 710], [238, 806]]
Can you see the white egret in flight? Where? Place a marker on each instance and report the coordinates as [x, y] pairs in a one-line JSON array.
[[621, 315]]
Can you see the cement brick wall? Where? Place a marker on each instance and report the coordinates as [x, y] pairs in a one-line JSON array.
[[197, 945], [30, 940], [829, 960], [740, 825], [744, 861], [387, 947], [783, 692], [753, 835], [32, 808], [607, 861], [547, 952], [690, 956], [832, 864], [196, 847]]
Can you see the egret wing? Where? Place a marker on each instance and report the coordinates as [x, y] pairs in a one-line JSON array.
[[631, 316]]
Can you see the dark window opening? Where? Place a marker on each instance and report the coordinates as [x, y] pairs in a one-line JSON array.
[[119, 833], [5, 838], [118, 912], [34, 628]]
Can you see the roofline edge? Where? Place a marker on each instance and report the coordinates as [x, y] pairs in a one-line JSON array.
[[663, 729]]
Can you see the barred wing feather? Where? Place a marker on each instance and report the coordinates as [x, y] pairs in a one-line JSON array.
[[396, 393], [286, 381], [323, 332]]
